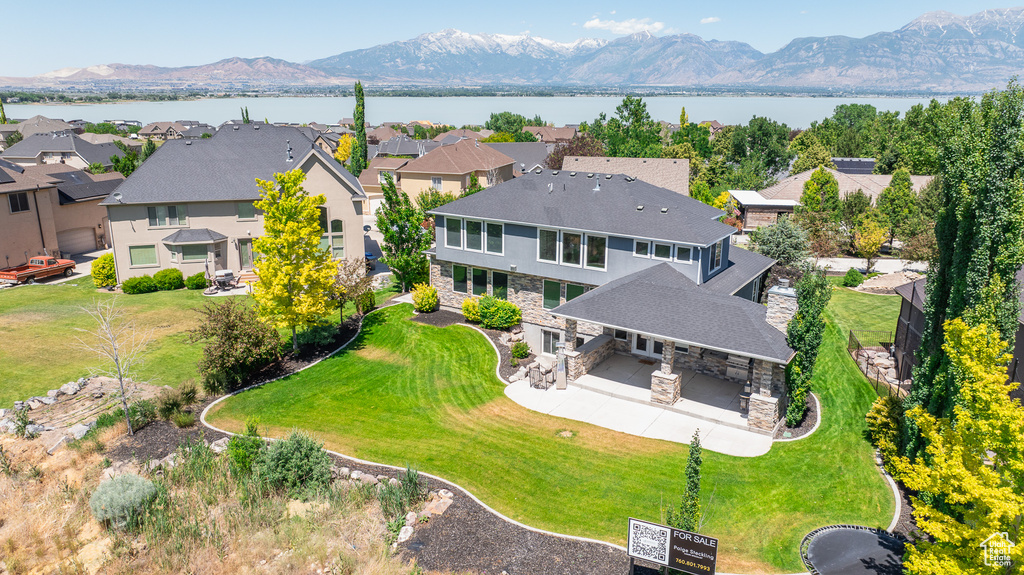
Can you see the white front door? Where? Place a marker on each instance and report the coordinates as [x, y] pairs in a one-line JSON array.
[[648, 346]]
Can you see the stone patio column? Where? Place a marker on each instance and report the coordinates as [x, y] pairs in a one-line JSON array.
[[762, 382], [569, 337], [764, 410], [664, 383], [573, 359]]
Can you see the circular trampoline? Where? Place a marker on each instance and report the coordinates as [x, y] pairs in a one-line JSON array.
[[842, 549]]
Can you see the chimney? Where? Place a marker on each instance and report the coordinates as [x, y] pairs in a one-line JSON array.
[[781, 305]]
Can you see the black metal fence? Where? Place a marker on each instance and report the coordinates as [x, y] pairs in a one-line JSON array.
[[863, 341]]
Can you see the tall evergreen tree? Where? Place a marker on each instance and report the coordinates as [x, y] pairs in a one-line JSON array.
[[980, 236], [688, 516], [3, 114], [357, 163]]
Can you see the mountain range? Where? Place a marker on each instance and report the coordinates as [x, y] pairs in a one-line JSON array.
[[937, 52]]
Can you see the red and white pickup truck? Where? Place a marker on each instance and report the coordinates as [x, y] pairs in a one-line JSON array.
[[37, 268]]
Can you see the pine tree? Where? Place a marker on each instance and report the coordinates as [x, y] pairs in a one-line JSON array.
[[688, 516], [821, 194], [3, 114], [296, 275], [980, 235], [358, 162]]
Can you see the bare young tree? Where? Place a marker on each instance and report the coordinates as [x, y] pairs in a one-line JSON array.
[[117, 342], [351, 282]]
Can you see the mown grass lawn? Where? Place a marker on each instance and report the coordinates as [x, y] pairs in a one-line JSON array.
[[410, 394]]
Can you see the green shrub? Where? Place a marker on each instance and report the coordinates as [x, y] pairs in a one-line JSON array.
[[471, 309], [183, 419], [103, 272], [121, 500], [853, 278], [138, 285], [168, 404], [424, 298], [498, 314], [884, 429], [189, 393], [196, 281], [141, 413], [319, 334], [169, 279], [520, 350], [244, 450], [395, 500], [236, 343], [366, 302], [297, 464]]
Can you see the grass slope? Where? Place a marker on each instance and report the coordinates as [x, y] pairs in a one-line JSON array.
[[38, 330], [407, 393]]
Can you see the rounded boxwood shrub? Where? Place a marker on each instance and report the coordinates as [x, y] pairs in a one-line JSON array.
[[196, 281], [141, 284], [471, 309], [424, 298], [297, 464], [103, 272], [498, 314], [520, 350], [169, 279], [120, 500], [853, 278]]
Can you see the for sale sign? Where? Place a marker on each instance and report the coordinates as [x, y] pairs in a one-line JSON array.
[[682, 550]]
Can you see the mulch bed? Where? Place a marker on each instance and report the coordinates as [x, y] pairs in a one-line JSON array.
[[161, 438], [806, 425], [445, 318], [906, 525]]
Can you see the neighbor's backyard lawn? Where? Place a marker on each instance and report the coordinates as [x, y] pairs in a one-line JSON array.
[[410, 394]]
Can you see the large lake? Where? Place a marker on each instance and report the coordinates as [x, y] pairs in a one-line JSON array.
[[797, 112]]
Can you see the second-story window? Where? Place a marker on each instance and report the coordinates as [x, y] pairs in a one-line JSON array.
[[474, 235], [715, 256], [547, 246], [160, 216], [495, 238], [597, 248], [435, 182], [246, 211], [453, 233], [641, 249], [572, 248]]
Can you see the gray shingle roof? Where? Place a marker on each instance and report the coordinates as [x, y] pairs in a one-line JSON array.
[[36, 144], [406, 146], [194, 236], [664, 303], [568, 200], [224, 167], [528, 155], [743, 266]]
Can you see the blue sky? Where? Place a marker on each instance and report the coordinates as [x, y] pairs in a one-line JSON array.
[[43, 37]]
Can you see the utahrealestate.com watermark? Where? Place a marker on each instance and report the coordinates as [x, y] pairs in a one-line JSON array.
[[997, 550]]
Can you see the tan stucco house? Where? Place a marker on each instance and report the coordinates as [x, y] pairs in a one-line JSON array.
[[372, 178], [448, 168], [190, 205]]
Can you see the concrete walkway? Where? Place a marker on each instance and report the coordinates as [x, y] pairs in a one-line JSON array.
[[644, 420]]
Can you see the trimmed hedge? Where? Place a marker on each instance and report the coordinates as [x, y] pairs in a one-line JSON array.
[[498, 314], [169, 279], [196, 281], [424, 298], [103, 272], [853, 278], [137, 285]]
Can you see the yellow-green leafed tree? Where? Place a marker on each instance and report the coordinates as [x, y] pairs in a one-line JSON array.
[[867, 241], [344, 150], [296, 275], [971, 477]]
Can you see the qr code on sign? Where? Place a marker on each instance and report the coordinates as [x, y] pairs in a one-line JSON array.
[[649, 542]]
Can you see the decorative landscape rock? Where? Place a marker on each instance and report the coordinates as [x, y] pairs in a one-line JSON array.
[[79, 430], [54, 393], [8, 426], [367, 479], [34, 429], [405, 533], [70, 388], [219, 446], [410, 518]]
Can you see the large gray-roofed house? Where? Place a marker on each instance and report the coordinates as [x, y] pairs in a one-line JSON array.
[[606, 203], [529, 156], [404, 146], [60, 148], [604, 264], [191, 204]]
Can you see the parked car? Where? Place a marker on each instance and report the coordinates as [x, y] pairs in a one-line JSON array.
[[37, 268]]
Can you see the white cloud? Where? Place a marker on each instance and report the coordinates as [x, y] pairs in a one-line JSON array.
[[631, 26], [710, 20], [612, 12]]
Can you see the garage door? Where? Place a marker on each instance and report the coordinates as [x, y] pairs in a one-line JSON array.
[[76, 241], [375, 205]]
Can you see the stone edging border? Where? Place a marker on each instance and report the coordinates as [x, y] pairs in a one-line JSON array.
[[817, 424], [895, 491]]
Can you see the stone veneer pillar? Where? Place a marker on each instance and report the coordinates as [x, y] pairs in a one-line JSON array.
[[573, 359], [763, 413], [781, 305], [664, 383], [569, 339]]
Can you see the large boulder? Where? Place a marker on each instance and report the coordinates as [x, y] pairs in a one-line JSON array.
[[70, 388], [219, 446], [78, 430]]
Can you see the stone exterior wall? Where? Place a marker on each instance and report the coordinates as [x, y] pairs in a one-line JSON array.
[[763, 414], [664, 387], [589, 355], [781, 307]]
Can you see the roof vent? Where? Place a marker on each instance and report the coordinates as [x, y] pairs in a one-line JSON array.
[[551, 187], [554, 173], [608, 176], [235, 127], [256, 127], [289, 142], [590, 175], [597, 187], [664, 210], [572, 174], [640, 208], [188, 142]]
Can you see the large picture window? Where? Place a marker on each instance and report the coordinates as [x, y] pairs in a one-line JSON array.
[[453, 233], [479, 282], [161, 216], [193, 253], [495, 239], [460, 281], [572, 249], [474, 235], [597, 248], [142, 255], [547, 246], [552, 294]]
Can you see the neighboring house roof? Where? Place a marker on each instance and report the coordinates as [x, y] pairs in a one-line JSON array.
[[42, 125], [462, 157], [14, 179], [854, 165], [743, 265], [914, 292], [404, 146], [194, 236], [109, 139], [670, 174], [551, 135], [161, 128], [650, 301], [560, 200], [370, 175], [751, 198], [382, 133], [74, 185], [196, 132], [224, 167], [792, 187], [58, 142], [460, 133], [528, 156], [446, 140]]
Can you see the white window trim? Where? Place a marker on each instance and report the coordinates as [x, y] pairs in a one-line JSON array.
[[583, 248], [650, 245], [586, 246], [439, 185], [686, 349], [143, 266], [483, 236], [486, 234], [625, 336], [462, 233], [177, 217], [675, 254], [555, 334], [558, 246], [671, 249], [721, 260]]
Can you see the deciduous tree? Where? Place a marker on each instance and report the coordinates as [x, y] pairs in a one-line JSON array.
[[343, 152], [350, 283], [582, 144], [405, 238], [868, 239], [296, 275], [811, 153], [688, 516], [821, 194], [236, 343]]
